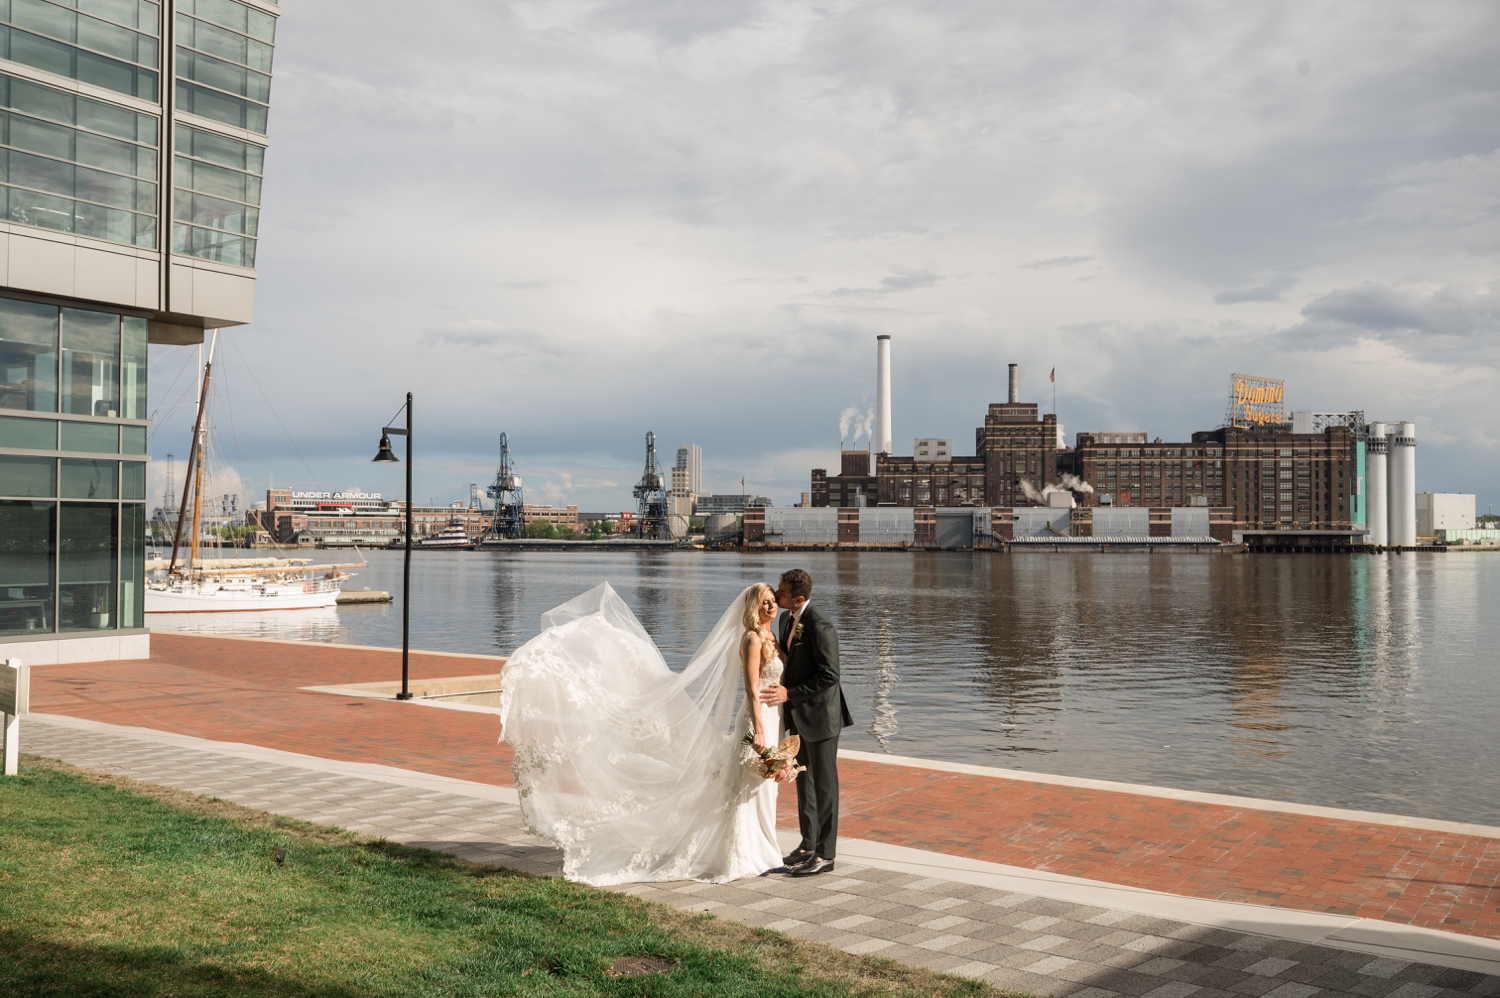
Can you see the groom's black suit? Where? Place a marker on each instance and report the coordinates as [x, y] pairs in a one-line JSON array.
[[815, 710]]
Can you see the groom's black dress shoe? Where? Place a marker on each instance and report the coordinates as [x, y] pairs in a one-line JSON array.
[[798, 858], [813, 867]]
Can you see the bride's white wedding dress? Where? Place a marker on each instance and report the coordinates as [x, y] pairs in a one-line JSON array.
[[636, 772]]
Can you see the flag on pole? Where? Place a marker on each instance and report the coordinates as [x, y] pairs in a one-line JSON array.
[[1053, 376]]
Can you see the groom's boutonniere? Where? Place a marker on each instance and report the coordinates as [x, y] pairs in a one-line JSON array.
[[797, 633]]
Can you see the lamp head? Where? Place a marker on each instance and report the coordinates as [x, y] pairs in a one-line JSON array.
[[385, 453]]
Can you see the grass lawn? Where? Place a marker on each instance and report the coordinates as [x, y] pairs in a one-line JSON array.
[[112, 887]]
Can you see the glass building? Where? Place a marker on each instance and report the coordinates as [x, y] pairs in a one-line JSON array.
[[132, 147]]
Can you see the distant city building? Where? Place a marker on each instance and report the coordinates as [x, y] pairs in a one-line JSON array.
[[565, 516], [1444, 511], [687, 473], [718, 505]]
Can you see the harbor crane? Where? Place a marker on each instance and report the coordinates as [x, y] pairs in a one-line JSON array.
[[651, 495], [505, 524]]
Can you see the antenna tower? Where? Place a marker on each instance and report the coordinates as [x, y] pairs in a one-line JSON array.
[[505, 524], [651, 494]]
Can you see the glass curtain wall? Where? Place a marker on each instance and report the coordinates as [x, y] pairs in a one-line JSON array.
[[216, 197], [224, 53], [113, 44], [75, 164], [72, 473]]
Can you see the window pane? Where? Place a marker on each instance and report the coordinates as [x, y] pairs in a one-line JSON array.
[[215, 73], [44, 102], [103, 71], [132, 439], [30, 434], [145, 197], [262, 26], [216, 41], [223, 12], [41, 137], [106, 188], [111, 39], [258, 56], [123, 11], [218, 107], [106, 118], [43, 53], [90, 363], [48, 175], [132, 480], [255, 159], [44, 210], [95, 438], [87, 543], [28, 356], [132, 564], [28, 552], [103, 223], [28, 476], [145, 231], [211, 213], [86, 479], [108, 154], [46, 18], [145, 129], [215, 148], [255, 118], [217, 181], [145, 162], [149, 18], [134, 389]]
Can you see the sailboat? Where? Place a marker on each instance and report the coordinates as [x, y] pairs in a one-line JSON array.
[[195, 587]]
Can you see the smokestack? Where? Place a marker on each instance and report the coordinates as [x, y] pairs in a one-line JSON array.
[[1376, 521], [882, 394], [1401, 476], [1015, 385]]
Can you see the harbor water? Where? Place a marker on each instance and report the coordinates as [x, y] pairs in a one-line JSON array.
[[1367, 681]]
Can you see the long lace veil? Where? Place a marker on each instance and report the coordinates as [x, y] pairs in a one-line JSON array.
[[632, 769]]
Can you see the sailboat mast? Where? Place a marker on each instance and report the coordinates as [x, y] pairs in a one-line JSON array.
[[195, 459]]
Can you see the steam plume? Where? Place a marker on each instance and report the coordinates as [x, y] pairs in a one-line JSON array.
[[846, 419]]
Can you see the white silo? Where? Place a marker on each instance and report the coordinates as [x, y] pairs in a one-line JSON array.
[[882, 394], [1401, 479], [1375, 487]]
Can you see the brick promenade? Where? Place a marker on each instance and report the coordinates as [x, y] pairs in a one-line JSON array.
[[248, 691]]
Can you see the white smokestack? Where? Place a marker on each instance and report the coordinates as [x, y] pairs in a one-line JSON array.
[[882, 394], [1015, 385], [1376, 519], [1401, 475]]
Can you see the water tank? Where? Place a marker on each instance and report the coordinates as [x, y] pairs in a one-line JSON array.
[[1401, 478], [1375, 486]]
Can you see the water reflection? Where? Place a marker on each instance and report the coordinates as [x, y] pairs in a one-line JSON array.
[[317, 624], [1360, 681]]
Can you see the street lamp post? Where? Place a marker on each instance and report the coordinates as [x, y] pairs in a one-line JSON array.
[[386, 454]]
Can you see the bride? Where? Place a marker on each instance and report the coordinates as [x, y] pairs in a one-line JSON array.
[[636, 772]]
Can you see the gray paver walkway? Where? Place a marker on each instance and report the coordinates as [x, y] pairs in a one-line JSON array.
[[1011, 939]]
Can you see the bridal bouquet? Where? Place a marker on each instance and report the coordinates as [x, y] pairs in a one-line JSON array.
[[773, 761]]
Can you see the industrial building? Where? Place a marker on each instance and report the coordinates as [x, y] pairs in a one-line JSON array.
[[1300, 480], [135, 144]]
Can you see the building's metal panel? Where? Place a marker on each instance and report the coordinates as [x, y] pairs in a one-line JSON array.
[[884, 525], [955, 528], [1122, 522], [793, 525], [1190, 521], [1043, 521]]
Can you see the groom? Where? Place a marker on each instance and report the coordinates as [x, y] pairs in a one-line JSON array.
[[813, 708]]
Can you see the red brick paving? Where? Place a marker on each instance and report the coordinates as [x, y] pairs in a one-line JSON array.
[[247, 691]]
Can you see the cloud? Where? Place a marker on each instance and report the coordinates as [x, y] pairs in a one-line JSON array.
[[900, 279], [1053, 262], [1273, 290], [1448, 318]]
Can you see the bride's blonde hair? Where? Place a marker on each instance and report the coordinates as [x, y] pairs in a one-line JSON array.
[[751, 617]]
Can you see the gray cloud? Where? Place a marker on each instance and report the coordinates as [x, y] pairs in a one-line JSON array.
[[1051, 263], [1273, 290], [896, 156]]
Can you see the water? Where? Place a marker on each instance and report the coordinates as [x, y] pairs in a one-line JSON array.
[[1367, 682]]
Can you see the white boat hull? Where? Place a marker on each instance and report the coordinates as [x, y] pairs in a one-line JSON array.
[[232, 596]]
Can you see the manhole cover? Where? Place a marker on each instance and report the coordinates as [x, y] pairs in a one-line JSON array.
[[640, 966]]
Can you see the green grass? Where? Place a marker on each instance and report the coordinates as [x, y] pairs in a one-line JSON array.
[[110, 887]]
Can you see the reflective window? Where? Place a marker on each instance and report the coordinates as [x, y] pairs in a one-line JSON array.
[[88, 544], [77, 165], [133, 562], [108, 43], [132, 440], [26, 477], [132, 480], [28, 554], [28, 356], [31, 434], [224, 51], [217, 196], [133, 371], [98, 438], [86, 479], [90, 363]]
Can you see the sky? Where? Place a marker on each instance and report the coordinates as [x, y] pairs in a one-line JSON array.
[[577, 222]]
